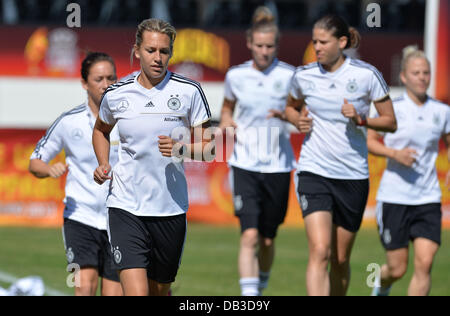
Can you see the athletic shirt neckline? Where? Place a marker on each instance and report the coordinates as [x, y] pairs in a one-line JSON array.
[[338, 71], [155, 89]]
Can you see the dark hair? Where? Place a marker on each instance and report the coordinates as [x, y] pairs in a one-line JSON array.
[[339, 28], [263, 20], [91, 59]]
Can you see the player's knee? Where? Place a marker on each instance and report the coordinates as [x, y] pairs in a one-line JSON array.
[[340, 262], [398, 271], [86, 289], [423, 264], [320, 253], [266, 242], [249, 238]]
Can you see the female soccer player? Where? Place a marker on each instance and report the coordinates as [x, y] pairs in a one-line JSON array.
[[262, 159], [409, 197], [148, 199], [334, 95], [84, 231]]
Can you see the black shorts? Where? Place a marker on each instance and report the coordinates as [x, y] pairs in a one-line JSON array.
[[260, 199], [89, 248], [345, 199], [152, 243], [400, 224]]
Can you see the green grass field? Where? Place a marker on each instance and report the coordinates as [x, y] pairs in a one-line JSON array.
[[209, 265]]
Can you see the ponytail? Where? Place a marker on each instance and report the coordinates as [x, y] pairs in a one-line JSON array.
[[263, 20]]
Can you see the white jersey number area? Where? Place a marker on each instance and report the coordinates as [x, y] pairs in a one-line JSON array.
[[145, 183]]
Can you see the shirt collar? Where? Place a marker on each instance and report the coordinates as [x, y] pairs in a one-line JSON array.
[[268, 69], [338, 71], [155, 88], [406, 97], [90, 115]]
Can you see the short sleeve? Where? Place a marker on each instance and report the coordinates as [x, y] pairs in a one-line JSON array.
[[228, 93], [378, 86], [295, 90], [105, 114], [51, 144], [200, 112]]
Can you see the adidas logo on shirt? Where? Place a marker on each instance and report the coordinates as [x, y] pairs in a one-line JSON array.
[[333, 86], [150, 105]]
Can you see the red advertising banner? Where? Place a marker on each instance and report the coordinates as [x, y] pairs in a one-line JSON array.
[[25, 200], [442, 75], [203, 55]]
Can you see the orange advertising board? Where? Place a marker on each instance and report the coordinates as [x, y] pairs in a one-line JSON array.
[[25, 200]]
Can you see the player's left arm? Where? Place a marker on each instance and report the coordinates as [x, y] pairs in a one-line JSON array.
[[102, 144], [385, 122], [201, 147]]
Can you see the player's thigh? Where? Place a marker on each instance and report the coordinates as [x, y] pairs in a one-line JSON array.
[[134, 282], [424, 253], [274, 203], [81, 244], [318, 226], [350, 199], [167, 239], [394, 225], [342, 245], [247, 197]]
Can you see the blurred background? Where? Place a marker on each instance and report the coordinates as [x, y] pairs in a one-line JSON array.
[[41, 52]]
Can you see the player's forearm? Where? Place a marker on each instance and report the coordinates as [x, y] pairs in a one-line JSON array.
[[39, 168], [379, 149], [102, 146], [292, 115], [226, 116], [383, 123]]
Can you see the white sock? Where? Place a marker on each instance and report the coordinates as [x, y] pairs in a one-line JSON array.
[[249, 286], [263, 280]]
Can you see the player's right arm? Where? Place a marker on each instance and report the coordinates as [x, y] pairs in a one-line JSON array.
[[41, 169], [376, 147], [46, 149], [101, 142], [297, 114], [226, 115]]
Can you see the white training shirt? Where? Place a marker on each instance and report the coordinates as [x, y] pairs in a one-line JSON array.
[[144, 182], [85, 200], [336, 148], [419, 128], [262, 144]]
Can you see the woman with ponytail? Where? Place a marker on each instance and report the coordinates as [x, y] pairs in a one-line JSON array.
[[409, 196], [329, 101], [262, 159], [85, 213]]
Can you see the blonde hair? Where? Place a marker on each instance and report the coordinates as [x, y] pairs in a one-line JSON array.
[[263, 20], [409, 52], [156, 25]]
